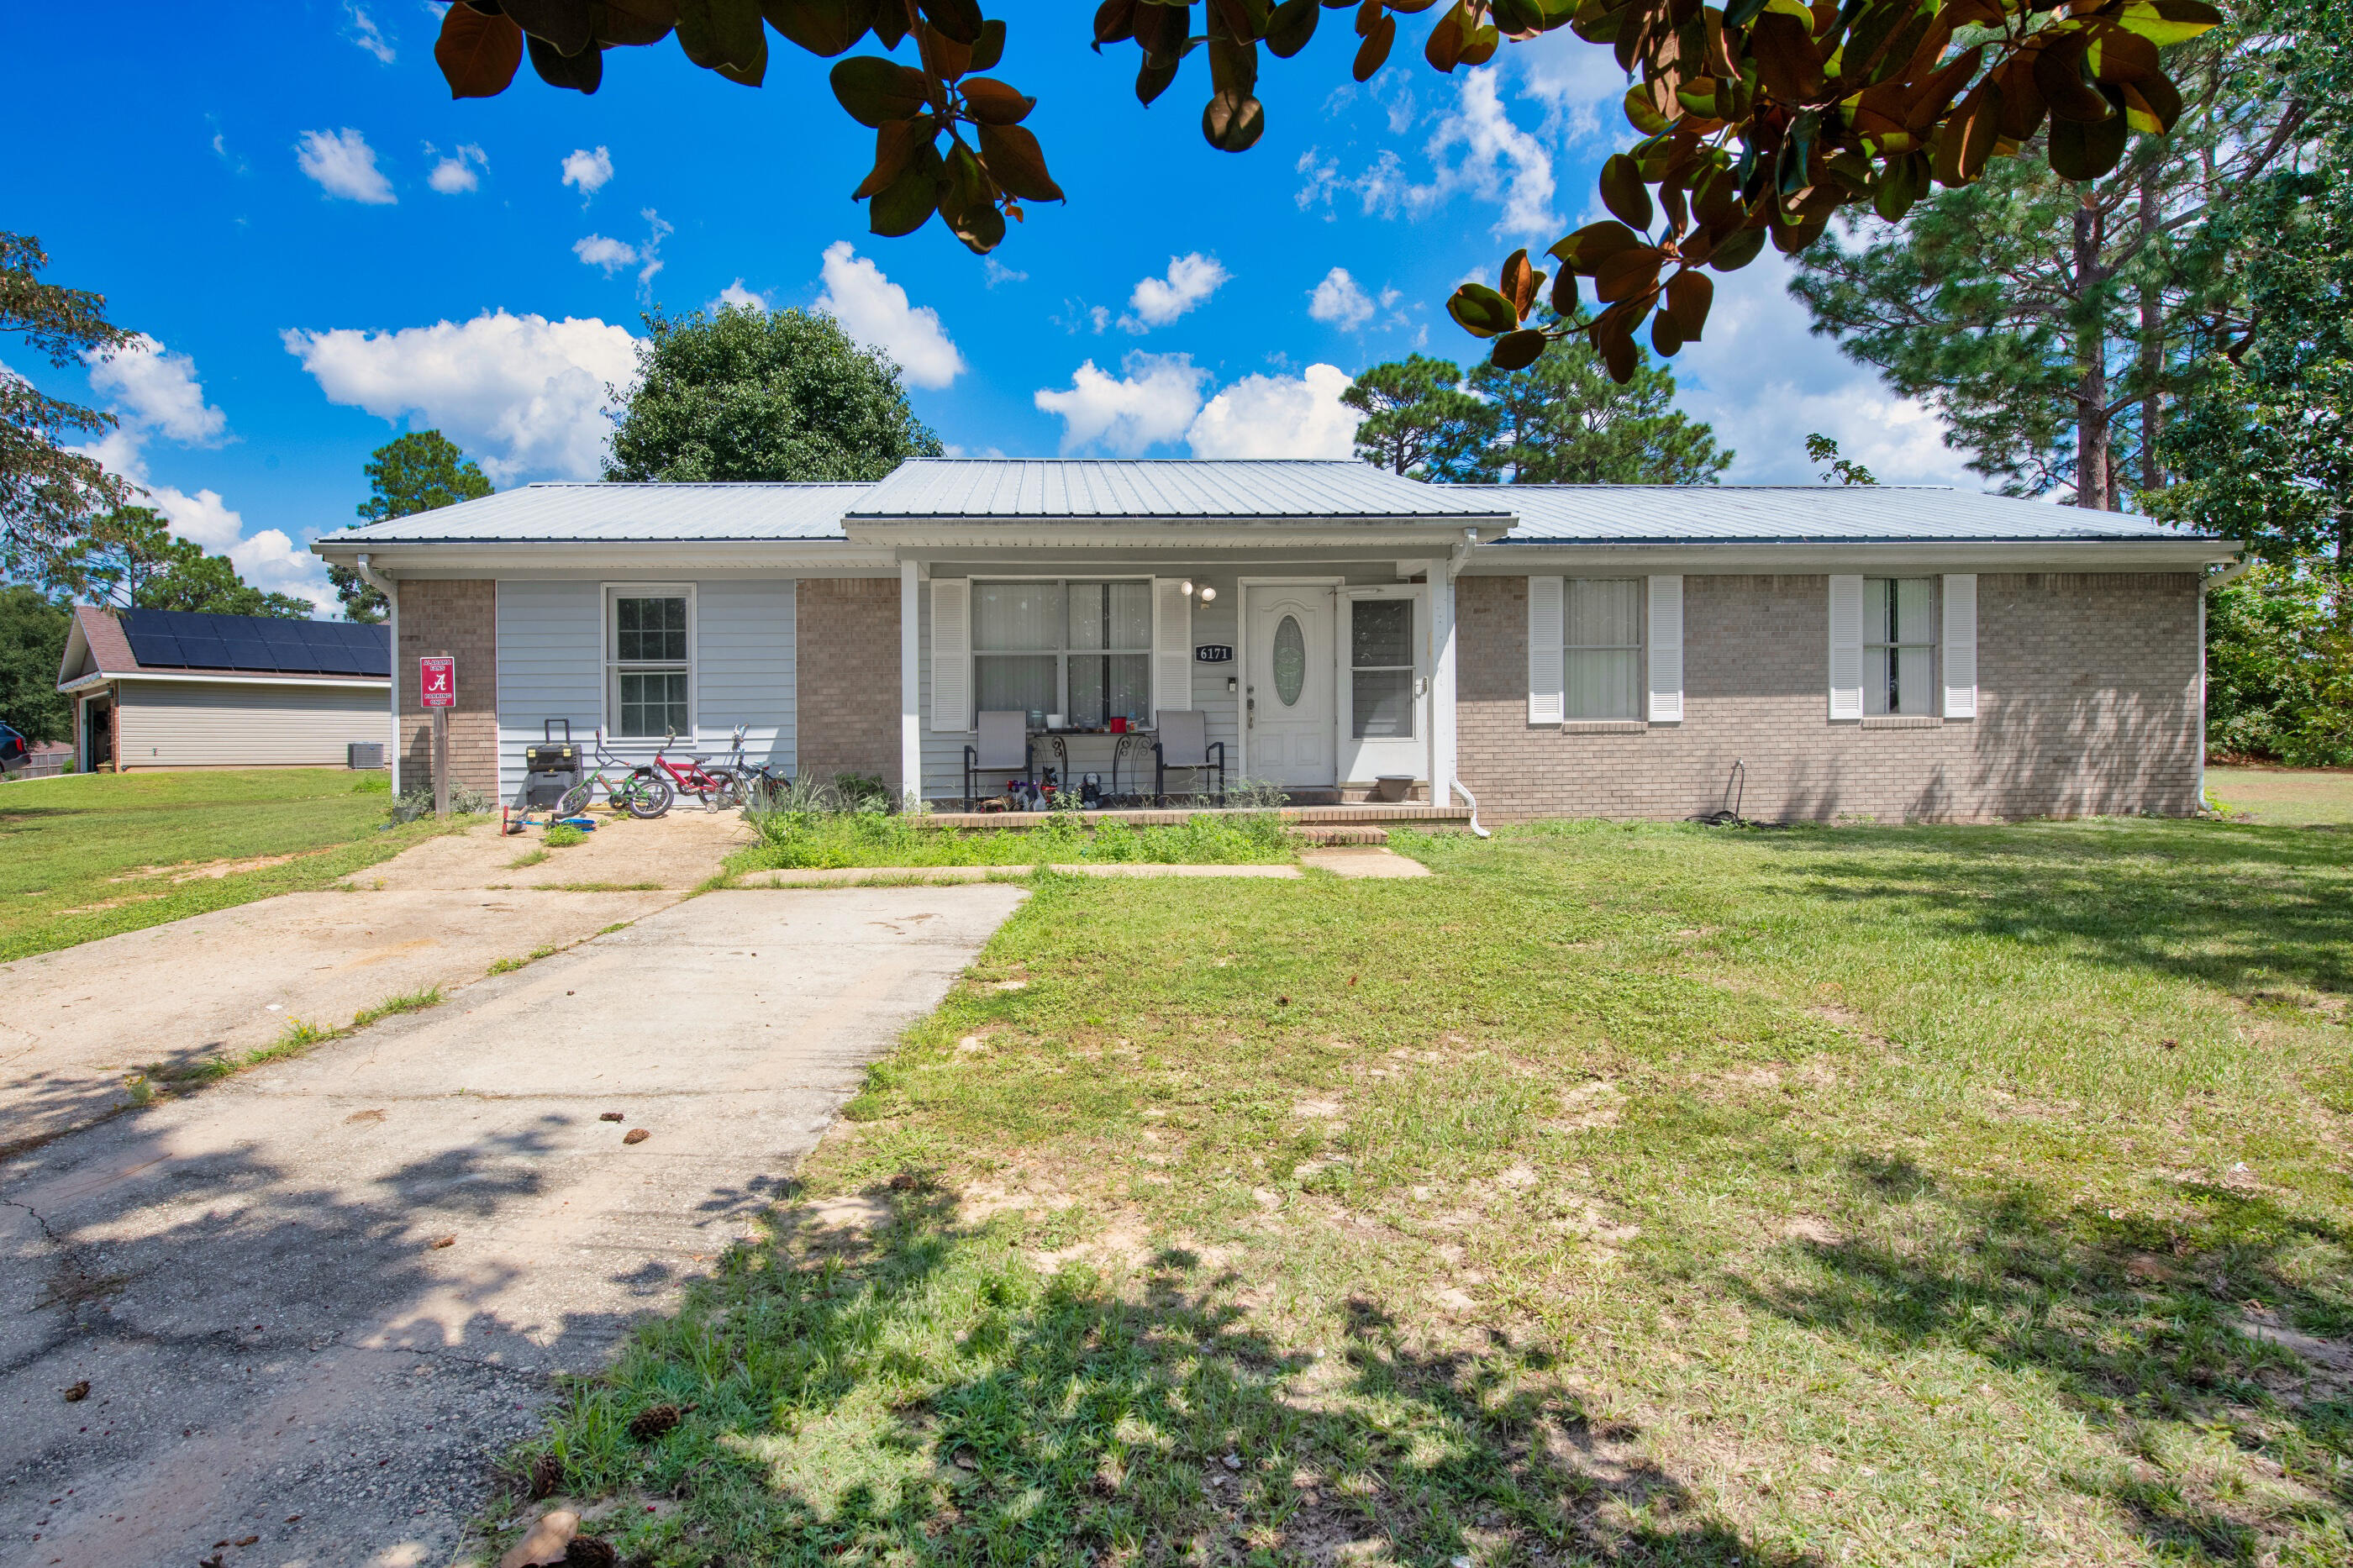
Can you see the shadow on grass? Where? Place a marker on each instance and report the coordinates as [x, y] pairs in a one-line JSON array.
[[929, 1396], [2136, 1324], [2238, 908]]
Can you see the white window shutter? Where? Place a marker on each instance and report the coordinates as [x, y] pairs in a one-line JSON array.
[[1961, 649], [1666, 650], [1846, 647], [951, 655], [1546, 639], [1172, 646]]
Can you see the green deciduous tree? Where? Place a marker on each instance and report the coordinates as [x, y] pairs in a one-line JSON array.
[[421, 471], [45, 489], [1763, 117], [755, 394], [1562, 420], [1418, 421], [2279, 668], [33, 628]]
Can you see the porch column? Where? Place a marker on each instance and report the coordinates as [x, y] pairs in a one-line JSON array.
[[1442, 682], [911, 732]]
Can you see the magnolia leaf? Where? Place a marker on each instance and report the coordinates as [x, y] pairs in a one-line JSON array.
[[1374, 52], [2081, 151], [981, 228], [1482, 312], [1151, 78], [562, 23], [1519, 282], [2117, 54], [1665, 336], [1234, 123], [895, 146], [1480, 45], [583, 72], [824, 27], [1616, 349], [2058, 74], [1114, 20], [957, 20], [910, 200], [1623, 193], [964, 185], [1741, 248], [2163, 22], [1641, 113], [876, 91], [2152, 107], [1629, 275], [1786, 63], [1903, 183], [1589, 247], [1018, 164], [989, 49], [993, 102], [1290, 27], [1443, 49], [1564, 292], [478, 54], [1517, 350], [1689, 297], [633, 24]]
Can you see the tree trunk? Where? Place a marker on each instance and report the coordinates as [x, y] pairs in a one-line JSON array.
[[2090, 363], [2152, 351]]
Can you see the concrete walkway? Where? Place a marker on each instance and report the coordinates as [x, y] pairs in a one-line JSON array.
[[312, 1302]]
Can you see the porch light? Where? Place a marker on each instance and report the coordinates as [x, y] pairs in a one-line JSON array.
[[1186, 589], [1208, 595]]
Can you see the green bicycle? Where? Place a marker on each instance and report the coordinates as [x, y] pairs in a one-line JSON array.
[[639, 791]]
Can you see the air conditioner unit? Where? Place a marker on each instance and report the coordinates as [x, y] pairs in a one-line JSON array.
[[367, 753]]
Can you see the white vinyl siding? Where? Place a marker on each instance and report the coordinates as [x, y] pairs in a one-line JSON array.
[[551, 643], [1960, 646], [1899, 645], [225, 724], [1846, 647], [1666, 662]]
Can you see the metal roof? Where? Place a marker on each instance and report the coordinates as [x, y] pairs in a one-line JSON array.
[[1162, 489], [570, 512], [1681, 514]]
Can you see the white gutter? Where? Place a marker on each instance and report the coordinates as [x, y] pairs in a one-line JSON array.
[[365, 565]]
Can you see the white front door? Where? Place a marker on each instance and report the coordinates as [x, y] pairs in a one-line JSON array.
[[1288, 697]]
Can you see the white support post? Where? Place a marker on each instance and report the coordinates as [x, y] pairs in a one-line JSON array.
[[910, 728], [1442, 682]]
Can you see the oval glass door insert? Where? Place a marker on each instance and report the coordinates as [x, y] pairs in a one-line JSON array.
[[1290, 661]]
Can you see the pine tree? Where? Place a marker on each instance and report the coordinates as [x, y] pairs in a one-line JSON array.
[[1563, 420]]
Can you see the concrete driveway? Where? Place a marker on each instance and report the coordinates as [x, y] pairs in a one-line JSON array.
[[312, 1302]]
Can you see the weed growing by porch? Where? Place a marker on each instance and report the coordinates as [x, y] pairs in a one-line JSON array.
[[825, 840], [1627, 1194]]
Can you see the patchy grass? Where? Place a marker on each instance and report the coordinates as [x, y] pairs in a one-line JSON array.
[[508, 965], [1622, 1194], [95, 855], [562, 836], [299, 1035], [815, 840], [528, 857], [2303, 796]]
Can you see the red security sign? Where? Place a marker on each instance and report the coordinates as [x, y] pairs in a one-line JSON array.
[[437, 680]]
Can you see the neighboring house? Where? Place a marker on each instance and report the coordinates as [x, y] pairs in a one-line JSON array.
[[1557, 650], [172, 689]]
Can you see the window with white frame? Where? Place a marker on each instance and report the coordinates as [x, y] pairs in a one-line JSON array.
[[1083, 649], [648, 672], [1899, 644], [1601, 661], [1380, 670]]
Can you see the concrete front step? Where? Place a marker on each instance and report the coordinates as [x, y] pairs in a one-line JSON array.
[[1408, 813]]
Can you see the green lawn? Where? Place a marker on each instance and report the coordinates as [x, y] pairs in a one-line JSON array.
[[1630, 1194], [825, 840], [94, 854], [2307, 796]]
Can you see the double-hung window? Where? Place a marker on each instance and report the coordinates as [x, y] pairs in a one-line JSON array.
[[1899, 644], [1601, 663], [1083, 649], [648, 671]]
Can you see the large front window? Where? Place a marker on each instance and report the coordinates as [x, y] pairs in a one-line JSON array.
[[1601, 678], [647, 664], [1899, 644], [1080, 649]]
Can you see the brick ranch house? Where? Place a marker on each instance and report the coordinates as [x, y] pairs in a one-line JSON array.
[[1553, 650]]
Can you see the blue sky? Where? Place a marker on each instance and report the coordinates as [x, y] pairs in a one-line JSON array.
[[325, 251]]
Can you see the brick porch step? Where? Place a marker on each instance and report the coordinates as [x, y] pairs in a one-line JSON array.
[[1364, 834]]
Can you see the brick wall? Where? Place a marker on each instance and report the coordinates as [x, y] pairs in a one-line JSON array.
[[458, 619], [846, 669], [2087, 702]]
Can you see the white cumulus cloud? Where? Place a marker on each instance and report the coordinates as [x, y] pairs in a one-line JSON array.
[[1278, 416], [459, 172], [611, 255], [1157, 301], [155, 390], [588, 169], [1475, 150], [343, 165], [740, 297], [874, 310], [1155, 400], [1340, 300], [523, 395]]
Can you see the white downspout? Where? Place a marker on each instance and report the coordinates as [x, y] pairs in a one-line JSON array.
[[391, 590], [911, 732]]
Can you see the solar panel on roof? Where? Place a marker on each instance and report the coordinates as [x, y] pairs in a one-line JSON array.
[[202, 652], [247, 653]]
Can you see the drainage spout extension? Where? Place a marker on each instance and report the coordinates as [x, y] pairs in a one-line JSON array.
[[1472, 802]]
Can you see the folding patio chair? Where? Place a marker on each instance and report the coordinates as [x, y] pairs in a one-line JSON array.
[[1184, 742], [1004, 744]]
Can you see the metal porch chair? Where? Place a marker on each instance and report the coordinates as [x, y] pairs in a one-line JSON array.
[[1184, 744], [1004, 737]]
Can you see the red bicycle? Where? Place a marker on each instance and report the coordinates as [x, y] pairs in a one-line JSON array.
[[716, 788]]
